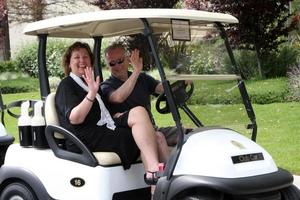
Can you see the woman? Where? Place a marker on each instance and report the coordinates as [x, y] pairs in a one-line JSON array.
[[81, 110]]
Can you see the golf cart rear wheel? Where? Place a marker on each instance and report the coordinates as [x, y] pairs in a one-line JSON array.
[[17, 191], [290, 193]]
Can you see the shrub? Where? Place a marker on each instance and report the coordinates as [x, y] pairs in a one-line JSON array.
[[246, 62], [277, 64], [19, 85], [8, 66], [26, 59], [206, 57], [273, 65]]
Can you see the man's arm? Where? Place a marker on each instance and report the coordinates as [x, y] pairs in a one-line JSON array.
[[159, 89], [122, 93]]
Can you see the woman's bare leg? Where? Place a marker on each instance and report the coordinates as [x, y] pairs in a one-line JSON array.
[[144, 136], [149, 143]]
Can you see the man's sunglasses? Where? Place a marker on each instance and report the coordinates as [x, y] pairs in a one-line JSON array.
[[119, 61]]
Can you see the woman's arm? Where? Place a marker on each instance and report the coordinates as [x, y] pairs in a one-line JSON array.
[[79, 113]]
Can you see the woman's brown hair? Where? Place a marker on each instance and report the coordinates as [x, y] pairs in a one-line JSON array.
[[67, 55]]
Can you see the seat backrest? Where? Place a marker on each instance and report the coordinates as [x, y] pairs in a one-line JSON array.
[[51, 114]]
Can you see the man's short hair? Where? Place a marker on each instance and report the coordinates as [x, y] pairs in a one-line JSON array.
[[114, 45]]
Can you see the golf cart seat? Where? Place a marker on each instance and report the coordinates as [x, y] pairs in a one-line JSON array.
[[56, 136]]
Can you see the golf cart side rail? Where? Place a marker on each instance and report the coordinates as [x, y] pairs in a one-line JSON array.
[[223, 77]]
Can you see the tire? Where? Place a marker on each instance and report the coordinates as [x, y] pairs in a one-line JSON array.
[[290, 193], [199, 197], [192, 197], [208, 195], [17, 191]]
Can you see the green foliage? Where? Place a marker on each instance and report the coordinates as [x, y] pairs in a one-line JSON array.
[[19, 85], [268, 91], [27, 62], [273, 64], [206, 57], [26, 59], [8, 66], [174, 55], [261, 28], [246, 62], [276, 64]]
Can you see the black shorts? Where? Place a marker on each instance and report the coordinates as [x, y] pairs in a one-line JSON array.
[[122, 121]]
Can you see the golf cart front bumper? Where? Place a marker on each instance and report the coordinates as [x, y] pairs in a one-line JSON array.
[[234, 186]]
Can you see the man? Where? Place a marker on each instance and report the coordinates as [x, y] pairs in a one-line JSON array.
[[125, 89]]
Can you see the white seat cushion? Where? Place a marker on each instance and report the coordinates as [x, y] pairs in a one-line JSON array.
[[107, 158]]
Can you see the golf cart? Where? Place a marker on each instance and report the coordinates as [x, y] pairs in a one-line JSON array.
[[208, 163]]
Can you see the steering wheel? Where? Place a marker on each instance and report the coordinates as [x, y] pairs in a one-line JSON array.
[[17, 104], [181, 92]]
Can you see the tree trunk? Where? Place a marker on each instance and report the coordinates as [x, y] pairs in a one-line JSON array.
[[258, 60], [4, 38]]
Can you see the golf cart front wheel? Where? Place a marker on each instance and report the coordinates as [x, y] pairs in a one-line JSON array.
[[17, 191], [201, 194], [290, 193]]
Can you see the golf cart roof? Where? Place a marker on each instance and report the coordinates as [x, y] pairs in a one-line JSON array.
[[108, 23]]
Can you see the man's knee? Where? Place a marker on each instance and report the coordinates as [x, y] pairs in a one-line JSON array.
[[138, 111], [160, 138]]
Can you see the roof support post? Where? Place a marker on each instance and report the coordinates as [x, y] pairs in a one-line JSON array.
[[97, 57], [170, 99], [43, 73], [241, 85]]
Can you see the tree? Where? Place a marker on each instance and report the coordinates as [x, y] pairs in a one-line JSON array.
[[4, 32], [122, 4], [34, 10], [196, 4], [262, 24]]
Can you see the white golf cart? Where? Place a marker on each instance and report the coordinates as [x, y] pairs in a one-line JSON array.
[[209, 163]]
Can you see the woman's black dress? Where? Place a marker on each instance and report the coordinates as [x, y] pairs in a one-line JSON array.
[[97, 138]]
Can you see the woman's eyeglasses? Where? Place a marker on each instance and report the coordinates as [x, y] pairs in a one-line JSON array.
[[114, 62]]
